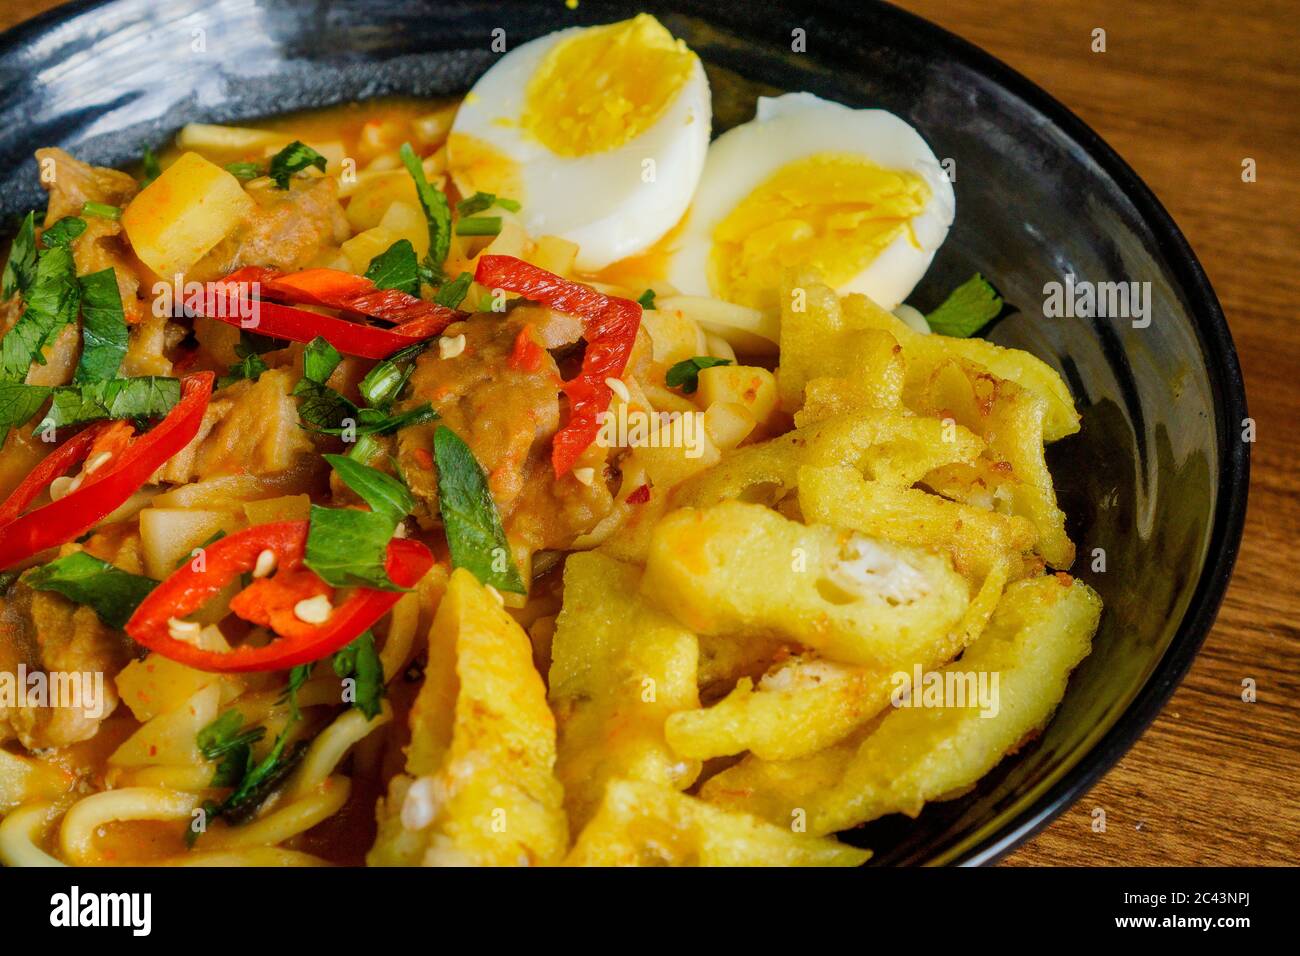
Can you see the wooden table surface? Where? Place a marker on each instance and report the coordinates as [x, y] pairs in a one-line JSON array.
[[1185, 91]]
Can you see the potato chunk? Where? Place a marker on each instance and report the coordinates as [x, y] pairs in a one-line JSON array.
[[643, 824], [737, 567], [619, 667], [478, 788], [184, 213]]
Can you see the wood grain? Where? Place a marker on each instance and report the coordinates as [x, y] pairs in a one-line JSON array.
[[1186, 90]]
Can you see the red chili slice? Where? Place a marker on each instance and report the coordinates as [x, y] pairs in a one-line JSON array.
[[526, 355], [186, 590], [416, 318], [609, 326], [103, 491]]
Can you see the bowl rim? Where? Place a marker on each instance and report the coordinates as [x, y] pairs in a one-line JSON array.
[[1223, 370]]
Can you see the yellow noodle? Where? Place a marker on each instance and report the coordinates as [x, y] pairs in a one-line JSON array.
[[288, 821], [252, 856], [330, 746], [83, 820], [20, 832]]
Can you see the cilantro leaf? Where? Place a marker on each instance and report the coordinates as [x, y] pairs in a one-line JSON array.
[[63, 232], [474, 533], [348, 547], [85, 579], [20, 267], [436, 210], [294, 158], [970, 307], [384, 493], [646, 299], [18, 403], [244, 171], [249, 367], [360, 661], [103, 327], [319, 360], [396, 268], [52, 302], [145, 397], [452, 294], [262, 780], [686, 373], [225, 734]]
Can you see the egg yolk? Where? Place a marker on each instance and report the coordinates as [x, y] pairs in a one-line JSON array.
[[605, 86], [830, 212]]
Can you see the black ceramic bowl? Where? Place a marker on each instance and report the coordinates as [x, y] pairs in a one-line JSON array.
[[1157, 477]]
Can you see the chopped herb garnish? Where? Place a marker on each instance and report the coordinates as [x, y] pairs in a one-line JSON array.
[[146, 397], [225, 733], [113, 593], [249, 367], [384, 493], [20, 267], [52, 302], [474, 533], [436, 211], [294, 158], [103, 327], [360, 662], [245, 171], [152, 170], [970, 307], [481, 201], [479, 226], [686, 373], [18, 403], [646, 299], [396, 268], [452, 293], [262, 780], [101, 210], [348, 547], [63, 232], [319, 360], [384, 382]]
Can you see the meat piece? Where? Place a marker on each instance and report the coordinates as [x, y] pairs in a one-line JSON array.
[[72, 183], [102, 246], [248, 428], [508, 418], [289, 230], [48, 633]]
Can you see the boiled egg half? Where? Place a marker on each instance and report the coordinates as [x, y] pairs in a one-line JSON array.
[[855, 194], [600, 133]]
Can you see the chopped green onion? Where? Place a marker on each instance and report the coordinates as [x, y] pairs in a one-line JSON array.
[[479, 226], [101, 211]]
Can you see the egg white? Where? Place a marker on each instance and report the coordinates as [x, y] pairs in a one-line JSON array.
[[599, 201], [792, 127]]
